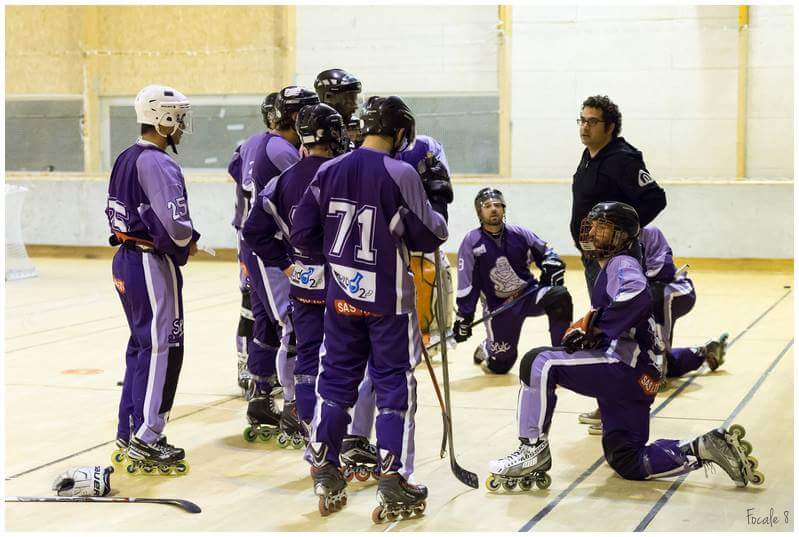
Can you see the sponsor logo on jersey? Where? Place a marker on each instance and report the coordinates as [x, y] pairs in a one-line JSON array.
[[644, 178], [120, 285], [358, 284], [345, 308], [308, 276], [648, 384]]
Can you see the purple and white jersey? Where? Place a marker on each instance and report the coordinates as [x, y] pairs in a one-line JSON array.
[[498, 268], [242, 197], [263, 156], [269, 228], [363, 211], [658, 260], [147, 199], [421, 147], [624, 306]]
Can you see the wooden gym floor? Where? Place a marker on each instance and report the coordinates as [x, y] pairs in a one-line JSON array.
[[64, 342]]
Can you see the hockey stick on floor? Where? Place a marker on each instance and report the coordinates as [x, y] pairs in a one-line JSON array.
[[186, 505], [464, 476], [440, 403], [503, 308]]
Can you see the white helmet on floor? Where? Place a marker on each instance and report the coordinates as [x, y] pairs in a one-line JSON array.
[[165, 107]]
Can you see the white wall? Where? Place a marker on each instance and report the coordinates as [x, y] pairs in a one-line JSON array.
[[744, 219], [401, 49], [673, 73], [769, 148]]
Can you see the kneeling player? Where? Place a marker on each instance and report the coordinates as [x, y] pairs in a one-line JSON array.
[[494, 260], [673, 296], [610, 354]]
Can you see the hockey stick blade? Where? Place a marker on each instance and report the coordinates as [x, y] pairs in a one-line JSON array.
[[186, 505]]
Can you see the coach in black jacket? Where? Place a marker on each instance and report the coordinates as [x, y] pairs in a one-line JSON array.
[[610, 170]]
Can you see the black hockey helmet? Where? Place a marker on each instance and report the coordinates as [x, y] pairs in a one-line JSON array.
[[386, 116], [339, 89], [487, 194], [610, 228], [289, 100], [268, 109], [320, 123]]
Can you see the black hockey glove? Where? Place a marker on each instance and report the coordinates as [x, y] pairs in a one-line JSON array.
[[436, 182], [461, 330], [553, 271]]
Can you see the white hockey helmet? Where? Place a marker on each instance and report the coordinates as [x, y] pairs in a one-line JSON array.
[[162, 106]]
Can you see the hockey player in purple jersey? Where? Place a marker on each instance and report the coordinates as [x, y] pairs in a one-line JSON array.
[[363, 211], [610, 354], [493, 261], [242, 209], [148, 215], [264, 156], [673, 296], [268, 229]]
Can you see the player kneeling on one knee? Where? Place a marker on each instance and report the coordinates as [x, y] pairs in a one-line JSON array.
[[494, 260], [610, 354]]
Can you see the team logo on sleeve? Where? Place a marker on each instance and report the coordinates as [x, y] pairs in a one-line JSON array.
[[506, 281], [177, 331], [644, 178], [309, 277], [358, 284]]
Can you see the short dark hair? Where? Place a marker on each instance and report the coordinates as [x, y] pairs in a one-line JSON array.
[[147, 128], [610, 112]]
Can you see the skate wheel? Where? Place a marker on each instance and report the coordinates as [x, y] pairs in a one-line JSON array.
[[362, 474], [131, 468], [419, 509], [265, 435], [148, 469], [324, 507], [758, 478], [282, 441], [526, 484], [378, 515], [737, 430], [375, 473], [753, 462], [297, 442], [509, 485], [492, 484], [406, 513], [250, 435], [543, 482], [746, 447], [182, 467], [118, 457], [392, 516], [348, 474], [343, 501]]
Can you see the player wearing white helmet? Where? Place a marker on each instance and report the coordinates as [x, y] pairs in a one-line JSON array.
[[148, 216]]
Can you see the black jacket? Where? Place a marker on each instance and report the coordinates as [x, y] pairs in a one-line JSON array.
[[616, 173]]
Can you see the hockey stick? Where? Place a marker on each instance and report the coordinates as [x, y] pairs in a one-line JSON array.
[[464, 476], [490, 315], [440, 403], [183, 504]]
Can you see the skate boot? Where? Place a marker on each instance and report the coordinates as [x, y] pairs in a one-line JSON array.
[[262, 415], [714, 351], [595, 429], [292, 432], [359, 458], [525, 466], [120, 455], [590, 418], [395, 496], [328, 483], [734, 455], [160, 458]]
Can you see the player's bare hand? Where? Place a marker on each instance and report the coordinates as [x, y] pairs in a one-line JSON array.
[[289, 271], [192, 247]]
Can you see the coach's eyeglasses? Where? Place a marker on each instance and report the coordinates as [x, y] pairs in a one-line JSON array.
[[592, 121]]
